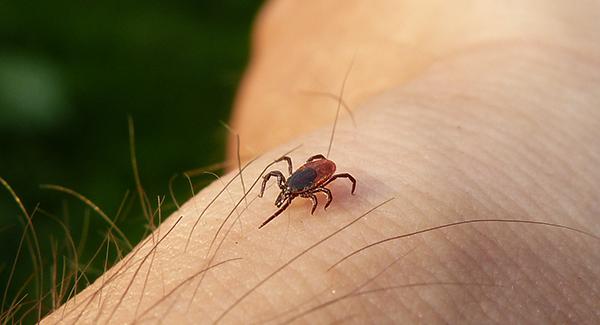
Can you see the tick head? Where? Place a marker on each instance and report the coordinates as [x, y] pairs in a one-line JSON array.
[[282, 197]]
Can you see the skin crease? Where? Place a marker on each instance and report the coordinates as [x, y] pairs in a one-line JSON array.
[[465, 111]]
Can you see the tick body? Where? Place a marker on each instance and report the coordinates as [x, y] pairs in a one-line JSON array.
[[306, 181]]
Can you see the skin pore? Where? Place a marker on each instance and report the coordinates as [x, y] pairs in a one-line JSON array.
[[464, 111]]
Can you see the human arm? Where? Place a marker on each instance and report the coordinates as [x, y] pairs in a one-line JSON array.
[[496, 122]]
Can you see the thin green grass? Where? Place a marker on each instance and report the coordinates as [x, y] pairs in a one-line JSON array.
[[59, 260]]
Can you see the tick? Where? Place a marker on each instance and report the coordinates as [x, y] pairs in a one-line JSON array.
[[306, 181]]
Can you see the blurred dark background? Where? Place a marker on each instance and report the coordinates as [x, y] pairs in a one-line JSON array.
[[70, 75]]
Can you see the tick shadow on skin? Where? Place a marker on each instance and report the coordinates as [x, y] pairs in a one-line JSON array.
[[369, 192]]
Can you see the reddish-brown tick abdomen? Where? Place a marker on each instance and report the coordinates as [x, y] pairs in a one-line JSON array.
[[310, 175]]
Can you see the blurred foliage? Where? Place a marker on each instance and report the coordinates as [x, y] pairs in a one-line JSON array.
[[71, 73]]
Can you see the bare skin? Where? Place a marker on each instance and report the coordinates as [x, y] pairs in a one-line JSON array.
[[477, 113]]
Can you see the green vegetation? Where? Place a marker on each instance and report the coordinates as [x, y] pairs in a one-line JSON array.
[[70, 75]]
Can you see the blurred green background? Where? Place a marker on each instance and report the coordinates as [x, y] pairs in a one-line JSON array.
[[70, 74]]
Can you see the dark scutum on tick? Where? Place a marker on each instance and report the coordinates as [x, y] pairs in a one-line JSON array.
[[305, 182]]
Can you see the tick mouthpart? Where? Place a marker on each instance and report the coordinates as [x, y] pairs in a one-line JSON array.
[[283, 195]]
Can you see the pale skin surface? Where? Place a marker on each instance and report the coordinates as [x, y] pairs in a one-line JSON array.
[[466, 112]]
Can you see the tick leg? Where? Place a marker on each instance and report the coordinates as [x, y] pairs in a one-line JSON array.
[[313, 198], [327, 193], [289, 162], [315, 157], [344, 175], [280, 179], [278, 212]]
